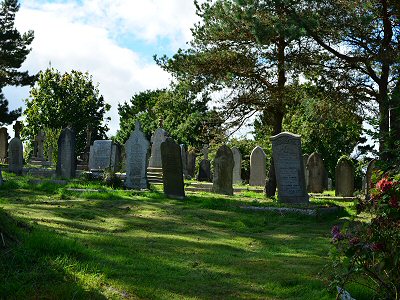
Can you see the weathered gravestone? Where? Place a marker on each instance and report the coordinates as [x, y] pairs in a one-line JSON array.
[[316, 173], [289, 169], [305, 159], [257, 167], [184, 160], [100, 155], [172, 169], [368, 177], [159, 136], [191, 163], [115, 160], [40, 138], [3, 144], [344, 178], [66, 165], [136, 151], [205, 166], [237, 168], [15, 151], [223, 171]]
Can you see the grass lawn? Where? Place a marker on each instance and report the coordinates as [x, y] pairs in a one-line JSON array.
[[120, 244]]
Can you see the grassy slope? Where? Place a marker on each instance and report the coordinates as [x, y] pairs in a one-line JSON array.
[[141, 245]]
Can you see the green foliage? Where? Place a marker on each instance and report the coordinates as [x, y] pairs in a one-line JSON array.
[[327, 126], [185, 118], [14, 49], [58, 100], [51, 143], [369, 252]]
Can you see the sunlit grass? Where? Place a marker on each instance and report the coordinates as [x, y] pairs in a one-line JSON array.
[[123, 244]]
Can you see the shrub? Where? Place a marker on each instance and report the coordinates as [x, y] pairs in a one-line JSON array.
[[369, 253]]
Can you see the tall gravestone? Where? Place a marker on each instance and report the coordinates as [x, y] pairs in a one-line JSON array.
[[66, 164], [344, 178], [289, 168], [100, 155], [3, 144], [305, 159], [368, 177], [159, 136], [205, 166], [137, 152], [115, 160], [316, 173], [257, 167], [15, 151], [237, 168], [40, 138], [184, 160], [191, 163], [172, 169], [223, 171]]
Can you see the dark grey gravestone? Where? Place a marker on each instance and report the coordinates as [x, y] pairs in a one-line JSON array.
[[136, 152], [237, 168], [316, 173], [344, 178], [15, 151], [289, 169], [159, 136], [66, 165], [172, 169], [205, 166], [184, 160], [223, 171], [115, 160], [100, 155], [3, 143], [305, 159], [258, 171], [191, 163], [368, 177]]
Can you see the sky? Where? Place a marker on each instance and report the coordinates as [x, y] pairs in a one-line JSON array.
[[114, 40]]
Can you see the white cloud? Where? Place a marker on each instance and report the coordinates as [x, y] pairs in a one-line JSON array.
[[83, 36]]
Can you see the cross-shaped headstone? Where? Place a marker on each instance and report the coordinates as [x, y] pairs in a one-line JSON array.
[[17, 128]]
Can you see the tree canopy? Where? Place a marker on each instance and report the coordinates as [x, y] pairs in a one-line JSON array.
[[58, 100], [14, 49]]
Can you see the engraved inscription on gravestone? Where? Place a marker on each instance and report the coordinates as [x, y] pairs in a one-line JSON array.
[[289, 169], [100, 156]]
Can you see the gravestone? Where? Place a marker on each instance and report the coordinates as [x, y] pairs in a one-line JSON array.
[[172, 169], [184, 160], [3, 144], [344, 178], [191, 163], [159, 136], [305, 159], [257, 167], [40, 138], [50, 154], [205, 166], [237, 168], [136, 152], [15, 151], [100, 155], [289, 169], [368, 177], [316, 173], [86, 153], [66, 164], [223, 171], [115, 160]]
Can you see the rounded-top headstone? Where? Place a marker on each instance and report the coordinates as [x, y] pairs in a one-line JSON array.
[[288, 162], [237, 169], [344, 178], [258, 169], [15, 156], [159, 136], [3, 143], [223, 171], [316, 173]]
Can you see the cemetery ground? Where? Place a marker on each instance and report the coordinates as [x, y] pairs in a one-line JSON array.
[[100, 243]]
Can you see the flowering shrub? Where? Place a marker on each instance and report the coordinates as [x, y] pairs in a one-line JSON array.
[[370, 252]]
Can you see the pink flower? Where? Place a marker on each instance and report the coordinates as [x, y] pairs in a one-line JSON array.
[[384, 185], [377, 247]]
